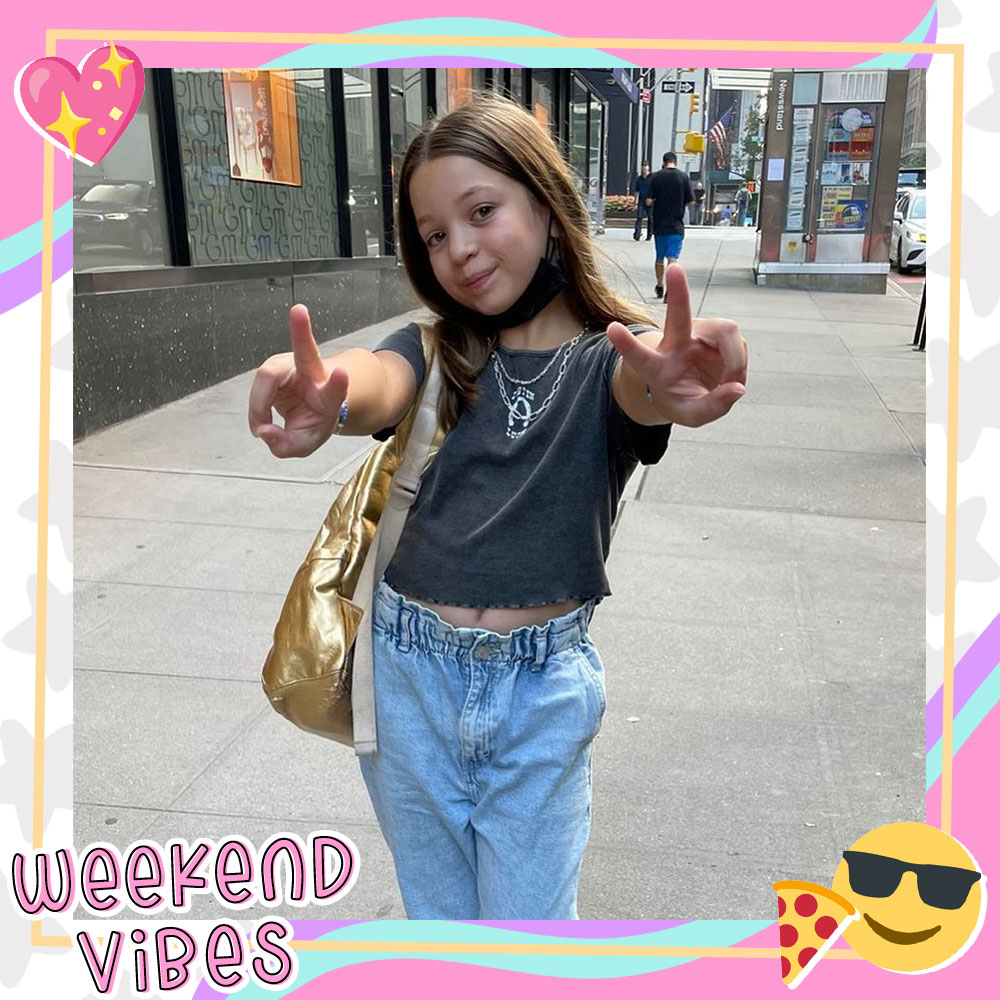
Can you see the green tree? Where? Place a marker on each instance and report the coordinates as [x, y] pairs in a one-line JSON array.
[[746, 157]]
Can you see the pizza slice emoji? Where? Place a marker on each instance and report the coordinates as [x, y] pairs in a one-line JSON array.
[[810, 918]]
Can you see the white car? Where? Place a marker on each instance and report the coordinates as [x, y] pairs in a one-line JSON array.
[[908, 246]]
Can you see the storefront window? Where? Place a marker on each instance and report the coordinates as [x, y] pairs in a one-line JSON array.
[[596, 125], [363, 159], [407, 112], [542, 97], [453, 88], [579, 112], [119, 213], [517, 85], [595, 173], [257, 157], [501, 82], [441, 90], [847, 145], [407, 101]]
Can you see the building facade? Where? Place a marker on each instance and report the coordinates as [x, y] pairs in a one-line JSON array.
[[913, 150], [235, 193]]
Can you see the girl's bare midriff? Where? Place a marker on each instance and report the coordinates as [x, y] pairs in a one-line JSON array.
[[500, 620]]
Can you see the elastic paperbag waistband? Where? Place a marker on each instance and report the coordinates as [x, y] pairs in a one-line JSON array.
[[412, 624]]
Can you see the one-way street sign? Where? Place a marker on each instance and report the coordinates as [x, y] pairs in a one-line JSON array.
[[670, 86]]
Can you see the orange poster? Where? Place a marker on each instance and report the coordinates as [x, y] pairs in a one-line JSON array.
[[262, 126]]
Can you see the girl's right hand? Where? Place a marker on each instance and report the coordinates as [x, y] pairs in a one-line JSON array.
[[301, 388]]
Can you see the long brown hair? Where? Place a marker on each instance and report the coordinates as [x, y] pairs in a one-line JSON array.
[[504, 137]]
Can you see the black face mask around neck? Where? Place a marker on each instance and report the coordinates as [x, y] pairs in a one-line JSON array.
[[546, 283]]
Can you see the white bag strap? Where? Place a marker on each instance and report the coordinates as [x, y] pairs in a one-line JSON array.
[[402, 493]]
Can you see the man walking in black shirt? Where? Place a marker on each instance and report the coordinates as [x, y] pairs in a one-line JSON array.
[[640, 187], [669, 195]]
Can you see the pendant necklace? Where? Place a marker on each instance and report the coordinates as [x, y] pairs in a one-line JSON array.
[[520, 412]]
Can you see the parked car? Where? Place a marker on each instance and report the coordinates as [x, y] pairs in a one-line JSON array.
[[123, 215], [908, 246]]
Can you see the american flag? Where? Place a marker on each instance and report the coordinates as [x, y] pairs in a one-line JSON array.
[[717, 136]]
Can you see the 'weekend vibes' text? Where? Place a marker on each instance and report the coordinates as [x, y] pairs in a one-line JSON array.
[[148, 879]]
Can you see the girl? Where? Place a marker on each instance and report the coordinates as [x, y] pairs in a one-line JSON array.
[[489, 691]]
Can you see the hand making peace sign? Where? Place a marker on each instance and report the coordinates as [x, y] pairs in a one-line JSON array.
[[302, 390], [698, 369]]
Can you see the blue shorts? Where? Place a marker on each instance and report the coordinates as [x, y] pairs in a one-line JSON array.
[[669, 245], [482, 779]]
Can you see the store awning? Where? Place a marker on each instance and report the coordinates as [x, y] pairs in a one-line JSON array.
[[740, 79], [612, 84]]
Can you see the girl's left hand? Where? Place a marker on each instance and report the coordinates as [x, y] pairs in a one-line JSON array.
[[696, 371]]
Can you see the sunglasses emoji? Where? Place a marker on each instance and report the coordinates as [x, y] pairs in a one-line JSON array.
[[921, 897]]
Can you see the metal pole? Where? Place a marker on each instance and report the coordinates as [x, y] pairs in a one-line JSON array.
[[633, 134], [643, 141], [677, 94], [649, 116], [705, 119], [630, 155]]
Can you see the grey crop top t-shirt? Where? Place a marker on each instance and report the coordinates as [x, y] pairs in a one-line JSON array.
[[511, 514]]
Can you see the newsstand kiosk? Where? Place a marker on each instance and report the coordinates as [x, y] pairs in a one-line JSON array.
[[831, 159]]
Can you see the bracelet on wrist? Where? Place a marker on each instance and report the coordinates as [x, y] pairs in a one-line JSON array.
[[341, 418]]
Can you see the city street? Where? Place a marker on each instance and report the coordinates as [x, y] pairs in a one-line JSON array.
[[764, 646], [909, 284]]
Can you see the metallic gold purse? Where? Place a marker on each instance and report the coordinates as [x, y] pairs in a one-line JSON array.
[[318, 673]]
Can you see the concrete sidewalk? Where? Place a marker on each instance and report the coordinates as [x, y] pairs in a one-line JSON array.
[[764, 646]]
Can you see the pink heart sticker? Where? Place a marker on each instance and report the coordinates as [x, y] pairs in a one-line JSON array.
[[82, 111]]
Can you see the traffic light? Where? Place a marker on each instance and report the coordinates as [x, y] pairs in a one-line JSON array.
[[694, 104], [694, 143]]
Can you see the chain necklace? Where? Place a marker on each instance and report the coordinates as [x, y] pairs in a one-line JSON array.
[[532, 381], [520, 413]]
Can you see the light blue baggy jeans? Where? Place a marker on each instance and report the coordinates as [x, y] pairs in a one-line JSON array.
[[482, 780]]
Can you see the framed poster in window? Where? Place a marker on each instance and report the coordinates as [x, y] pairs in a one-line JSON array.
[[262, 126], [848, 145]]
